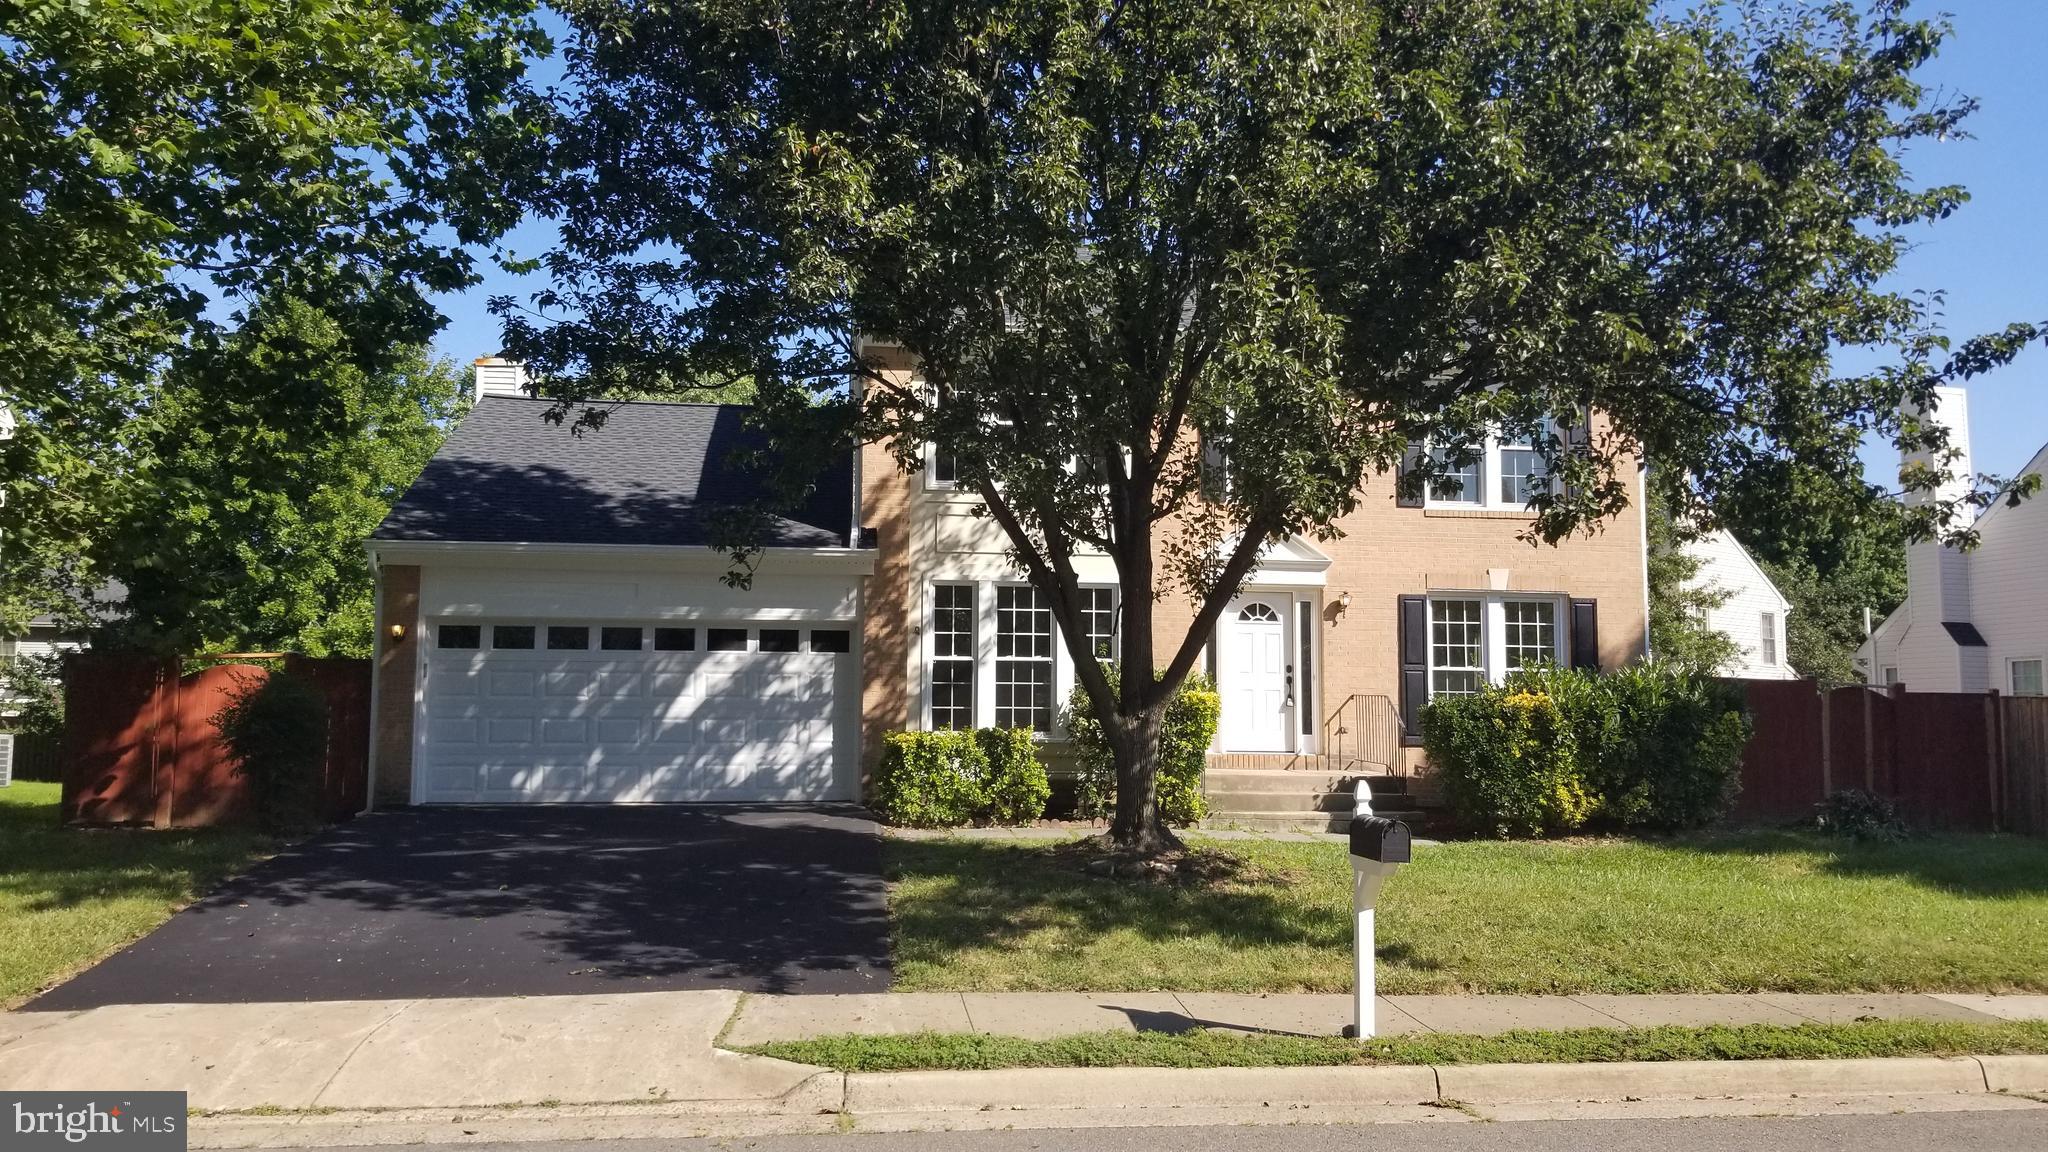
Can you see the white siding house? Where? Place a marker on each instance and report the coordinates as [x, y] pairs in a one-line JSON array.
[[1752, 611], [1978, 620]]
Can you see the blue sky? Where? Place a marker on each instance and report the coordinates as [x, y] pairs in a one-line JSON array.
[[1991, 258]]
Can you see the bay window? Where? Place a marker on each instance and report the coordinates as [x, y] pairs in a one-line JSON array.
[[993, 654]]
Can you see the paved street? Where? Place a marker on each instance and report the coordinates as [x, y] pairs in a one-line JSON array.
[[1916, 1132]]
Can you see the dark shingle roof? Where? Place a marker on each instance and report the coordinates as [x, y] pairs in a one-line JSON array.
[[653, 474]]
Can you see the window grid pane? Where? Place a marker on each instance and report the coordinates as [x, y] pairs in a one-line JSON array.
[[1455, 651], [1531, 637], [953, 656], [1098, 621], [1024, 659], [952, 695], [1024, 694], [1459, 485], [1768, 628], [1521, 475]]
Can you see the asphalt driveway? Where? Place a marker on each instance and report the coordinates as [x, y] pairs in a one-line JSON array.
[[540, 901]]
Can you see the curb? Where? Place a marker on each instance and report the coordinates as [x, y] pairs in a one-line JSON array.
[[1112, 1097]]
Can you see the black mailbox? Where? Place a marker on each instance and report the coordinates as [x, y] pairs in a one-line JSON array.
[[1378, 838]]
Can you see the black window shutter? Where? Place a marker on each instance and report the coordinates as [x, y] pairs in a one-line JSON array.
[[1586, 635], [1408, 462], [1414, 646], [1579, 441]]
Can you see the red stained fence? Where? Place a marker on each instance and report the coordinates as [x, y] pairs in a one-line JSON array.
[[140, 746], [1949, 760]]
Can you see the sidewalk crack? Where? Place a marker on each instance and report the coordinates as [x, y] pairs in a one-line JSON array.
[[967, 1012], [358, 1047], [1618, 1021]]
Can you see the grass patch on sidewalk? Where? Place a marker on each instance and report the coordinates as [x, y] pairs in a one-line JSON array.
[[930, 1051], [69, 896], [1723, 912]]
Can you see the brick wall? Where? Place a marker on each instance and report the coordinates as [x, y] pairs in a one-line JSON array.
[[397, 664], [889, 605]]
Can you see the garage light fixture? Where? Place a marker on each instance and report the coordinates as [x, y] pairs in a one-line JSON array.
[[397, 632]]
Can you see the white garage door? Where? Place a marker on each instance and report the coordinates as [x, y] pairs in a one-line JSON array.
[[549, 712]]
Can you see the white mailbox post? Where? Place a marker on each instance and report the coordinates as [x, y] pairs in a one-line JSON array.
[[1378, 846]]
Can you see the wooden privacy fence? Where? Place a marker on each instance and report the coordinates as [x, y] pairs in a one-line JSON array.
[[140, 745], [1957, 761]]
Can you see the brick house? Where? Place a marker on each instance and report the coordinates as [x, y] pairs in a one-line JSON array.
[[553, 626]]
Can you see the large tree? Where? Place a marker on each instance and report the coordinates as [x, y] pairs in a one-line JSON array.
[[1287, 238], [173, 169], [263, 464]]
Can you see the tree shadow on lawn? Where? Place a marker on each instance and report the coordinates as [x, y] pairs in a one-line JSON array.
[[996, 894], [49, 867], [1965, 864]]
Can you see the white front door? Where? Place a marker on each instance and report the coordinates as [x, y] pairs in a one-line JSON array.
[[1257, 698]]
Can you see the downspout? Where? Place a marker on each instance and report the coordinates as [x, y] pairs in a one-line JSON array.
[[376, 677]]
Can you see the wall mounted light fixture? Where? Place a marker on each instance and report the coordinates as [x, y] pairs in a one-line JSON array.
[[397, 632], [1344, 601]]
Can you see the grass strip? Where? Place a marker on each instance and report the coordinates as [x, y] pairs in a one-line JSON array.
[[927, 1051]]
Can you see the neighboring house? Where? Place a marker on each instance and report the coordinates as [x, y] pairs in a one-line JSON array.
[[1752, 611], [1972, 621], [554, 627]]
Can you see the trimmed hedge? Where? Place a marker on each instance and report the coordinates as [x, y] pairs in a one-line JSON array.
[[1184, 739], [949, 779], [1651, 746]]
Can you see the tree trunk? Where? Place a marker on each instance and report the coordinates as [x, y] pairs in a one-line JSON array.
[[1134, 744]]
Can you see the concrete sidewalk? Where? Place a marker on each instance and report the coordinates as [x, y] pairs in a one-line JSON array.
[[651, 1047], [1045, 1015]]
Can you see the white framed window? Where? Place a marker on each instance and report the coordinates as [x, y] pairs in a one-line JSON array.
[[1504, 473], [941, 468], [1098, 621], [1891, 674], [1767, 628], [1460, 483], [2025, 677], [1529, 637], [1024, 658], [1457, 652], [953, 657], [1478, 638]]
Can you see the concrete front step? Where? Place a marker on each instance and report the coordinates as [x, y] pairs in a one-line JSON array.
[[1300, 821], [1282, 780]]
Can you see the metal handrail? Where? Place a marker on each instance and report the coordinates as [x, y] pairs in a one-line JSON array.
[[1365, 729]]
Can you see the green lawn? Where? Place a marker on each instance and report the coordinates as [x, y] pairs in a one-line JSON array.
[[1735, 912], [930, 1050], [69, 896]]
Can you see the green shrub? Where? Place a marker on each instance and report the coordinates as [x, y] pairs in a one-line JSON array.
[[1015, 788], [948, 779], [1508, 763], [1859, 815], [1660, 746], [275, 729], [1651, 746], [1185, 735]]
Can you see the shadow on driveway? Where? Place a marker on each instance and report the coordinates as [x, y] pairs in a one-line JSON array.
[[540, 901]]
